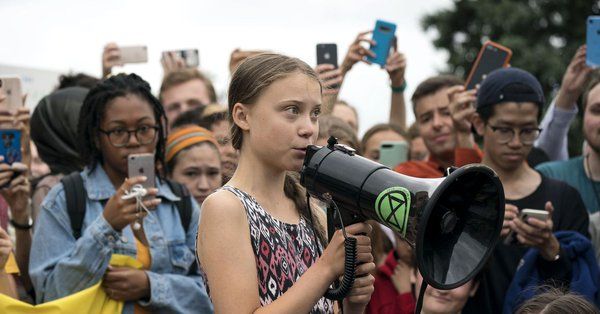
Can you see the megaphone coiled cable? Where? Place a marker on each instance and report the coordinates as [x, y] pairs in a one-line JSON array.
[[342, 289]]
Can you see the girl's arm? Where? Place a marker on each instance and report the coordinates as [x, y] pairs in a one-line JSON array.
[[228, 261]]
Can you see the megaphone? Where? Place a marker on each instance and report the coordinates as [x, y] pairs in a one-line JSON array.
[[453, 223]]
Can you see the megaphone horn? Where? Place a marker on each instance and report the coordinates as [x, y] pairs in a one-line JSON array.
[[453, 223]]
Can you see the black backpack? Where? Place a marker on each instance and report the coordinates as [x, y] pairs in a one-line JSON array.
[[76, 195]]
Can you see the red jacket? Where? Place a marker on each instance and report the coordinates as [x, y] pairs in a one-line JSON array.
[[385, 298], [432, 169]]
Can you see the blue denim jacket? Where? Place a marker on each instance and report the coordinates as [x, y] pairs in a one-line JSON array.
[[61, 265]]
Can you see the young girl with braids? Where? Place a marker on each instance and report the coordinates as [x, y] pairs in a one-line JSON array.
[[255, 244], [119, 117]]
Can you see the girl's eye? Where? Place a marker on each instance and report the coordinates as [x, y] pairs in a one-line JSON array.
[[293, 110], [317, 113]]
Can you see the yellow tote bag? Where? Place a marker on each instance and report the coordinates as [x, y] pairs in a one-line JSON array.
[[92, 300]]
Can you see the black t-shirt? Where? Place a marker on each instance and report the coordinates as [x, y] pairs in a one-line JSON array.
[[569, 214]]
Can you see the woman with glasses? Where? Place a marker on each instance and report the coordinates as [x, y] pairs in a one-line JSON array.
[[119, 117]]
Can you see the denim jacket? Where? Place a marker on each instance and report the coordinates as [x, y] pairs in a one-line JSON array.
[[61, 265]]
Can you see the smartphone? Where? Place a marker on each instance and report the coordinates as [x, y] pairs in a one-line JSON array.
[[394, 153], [11, 145], [538, 214], [10, 87], [492, 56], [327, 54], [191, 57], [142, 165], [593, 41], [134, 54], [383, 35]]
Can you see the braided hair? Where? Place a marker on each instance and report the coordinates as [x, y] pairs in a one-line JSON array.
[[94, 107]]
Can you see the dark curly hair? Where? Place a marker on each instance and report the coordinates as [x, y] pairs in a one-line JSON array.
[[94, 107]]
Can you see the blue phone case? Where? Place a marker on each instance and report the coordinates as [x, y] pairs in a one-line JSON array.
[[11, 145], [383, 35], [593, 41]]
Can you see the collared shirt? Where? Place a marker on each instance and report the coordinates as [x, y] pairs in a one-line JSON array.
[[61, 265], [432, 168]]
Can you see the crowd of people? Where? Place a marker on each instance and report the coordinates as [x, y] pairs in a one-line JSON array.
[[226, 226]]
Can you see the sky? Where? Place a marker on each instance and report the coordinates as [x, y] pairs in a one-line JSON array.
[[63, 36]]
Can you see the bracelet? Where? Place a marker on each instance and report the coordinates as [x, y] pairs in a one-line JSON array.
[[399, 89], [19, 226]]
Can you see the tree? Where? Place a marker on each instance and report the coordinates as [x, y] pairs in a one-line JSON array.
[[543, 35]]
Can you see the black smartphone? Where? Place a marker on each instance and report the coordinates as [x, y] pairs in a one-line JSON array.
[[327, 54], [492, 56]]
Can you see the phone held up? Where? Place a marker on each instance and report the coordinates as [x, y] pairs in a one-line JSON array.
[[11, 92], [133, 54], [393, 153], [538, 214], [383, 35], [142, 165], [593, 41], [190, 57], [492, 56], [327, 54]]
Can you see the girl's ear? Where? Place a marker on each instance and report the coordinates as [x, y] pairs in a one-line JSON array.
[[240, 116], [478, 124]]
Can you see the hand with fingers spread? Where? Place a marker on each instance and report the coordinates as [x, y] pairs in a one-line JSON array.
[[171, 62], [126, 284], [5, 248], [574, 80], [357, 52], [16, 190], [119, 213], [330, 77], [462, 108], [111, 57], [538, 234]]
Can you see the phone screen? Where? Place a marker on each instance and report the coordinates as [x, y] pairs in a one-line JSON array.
[[11, 146], [491, 58]]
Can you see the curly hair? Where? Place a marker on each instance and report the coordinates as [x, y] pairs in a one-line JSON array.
[[94, 107]]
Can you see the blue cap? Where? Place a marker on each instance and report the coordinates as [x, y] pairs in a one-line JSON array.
[[509, 85]]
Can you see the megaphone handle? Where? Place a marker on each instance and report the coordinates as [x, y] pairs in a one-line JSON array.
[[344, 288]]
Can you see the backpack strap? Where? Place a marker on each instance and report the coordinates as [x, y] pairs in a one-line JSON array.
[[75, 195], [184, 205]]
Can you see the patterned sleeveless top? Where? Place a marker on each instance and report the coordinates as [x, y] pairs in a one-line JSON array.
[[283, 251]]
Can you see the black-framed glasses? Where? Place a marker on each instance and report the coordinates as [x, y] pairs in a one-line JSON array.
[[506, 134], [119, 137]]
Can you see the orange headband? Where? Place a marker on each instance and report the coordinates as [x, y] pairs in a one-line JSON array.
[[186, 137]]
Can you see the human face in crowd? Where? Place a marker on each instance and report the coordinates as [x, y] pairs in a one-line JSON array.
[[229, 155], [346, 114], [183, 97], [444, 301], [199, 169], [418, 150], [508, 117], [435, 123], [129, 113], [283, 121], [372, 146], [591, 120]]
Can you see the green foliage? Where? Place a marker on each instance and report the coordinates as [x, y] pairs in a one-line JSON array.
[[543, 35]]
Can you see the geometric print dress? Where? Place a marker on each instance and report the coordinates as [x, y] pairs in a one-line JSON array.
[[283, 251]]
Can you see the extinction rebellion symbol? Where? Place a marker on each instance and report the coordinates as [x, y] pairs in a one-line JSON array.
[[393, 207]]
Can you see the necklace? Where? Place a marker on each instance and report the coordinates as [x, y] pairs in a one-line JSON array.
[[590, 177]]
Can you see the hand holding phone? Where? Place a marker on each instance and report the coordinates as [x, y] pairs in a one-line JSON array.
[[133, 54], [142, 165], [179, 59], [10, 146], [383, 36], [492, 56], [524, 215]]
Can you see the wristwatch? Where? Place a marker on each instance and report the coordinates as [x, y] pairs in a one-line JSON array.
[[19, 226]]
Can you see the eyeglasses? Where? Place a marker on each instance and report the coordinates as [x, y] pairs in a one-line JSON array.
[[526, 135], [119, 137]]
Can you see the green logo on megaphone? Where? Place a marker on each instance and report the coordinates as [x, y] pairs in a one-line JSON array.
[[393, 207]]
